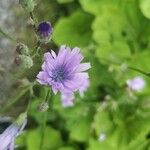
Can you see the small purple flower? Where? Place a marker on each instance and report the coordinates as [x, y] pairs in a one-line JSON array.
[[44, 29], [65, 72], [136, 84], [7, 138]]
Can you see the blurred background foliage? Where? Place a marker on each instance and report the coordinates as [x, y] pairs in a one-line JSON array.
[[114, 35]]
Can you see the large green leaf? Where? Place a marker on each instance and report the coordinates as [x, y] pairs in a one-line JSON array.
[[66, 148], [97, 6], [96, 145], [141, 61], [80, 130], [64, 1], [73, 30], [145, 8], [52, 139], [112, 36], [102, 122]]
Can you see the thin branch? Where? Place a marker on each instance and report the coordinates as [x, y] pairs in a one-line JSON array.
[[128, 67], [138, 70], [3, 33], [43, 126], [34, 22]]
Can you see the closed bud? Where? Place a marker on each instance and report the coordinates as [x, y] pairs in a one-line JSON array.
[[22, 49], [21, 119], [25, 61], [28, 5], [44, 31], [43, 106]]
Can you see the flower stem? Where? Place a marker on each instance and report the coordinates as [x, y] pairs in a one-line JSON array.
[[48, 97], [34, 22], [8, 106], [140, 71], [128, 67], [43, 127], [3, 33]]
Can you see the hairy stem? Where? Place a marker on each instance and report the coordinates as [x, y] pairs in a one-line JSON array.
[[34, 22]]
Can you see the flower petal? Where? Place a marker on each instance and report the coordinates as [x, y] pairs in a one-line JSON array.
[[83, 88], [67, 99], [42, 77], [83, 67], [53, 54], [75, 50], [48, 56]]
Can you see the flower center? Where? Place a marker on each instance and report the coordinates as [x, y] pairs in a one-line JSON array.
[[58, 75]]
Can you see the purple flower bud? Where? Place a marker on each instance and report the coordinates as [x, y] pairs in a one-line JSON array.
[[136, 84], [44, 29]]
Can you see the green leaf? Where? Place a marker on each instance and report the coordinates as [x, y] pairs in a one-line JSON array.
[[112, 36], [145, 8], [80, 130], [66, 148], [21, 139], [33, 112], [102, 122], [141, 61], [96, 6], [97, 145], [52, 139], [78, 120], [73, 30], [64, 1]]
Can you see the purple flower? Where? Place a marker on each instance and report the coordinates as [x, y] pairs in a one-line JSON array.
[[65, 72], [136, 84], [44, 29], [7, 138]]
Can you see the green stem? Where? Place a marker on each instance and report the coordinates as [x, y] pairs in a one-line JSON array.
[[138, 70], [38, 43], [15, 100], [37, 49], [128, 67], [29, 101], [48, 95], [34, 22], [3, 33], [43, 126], [21, 94]]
